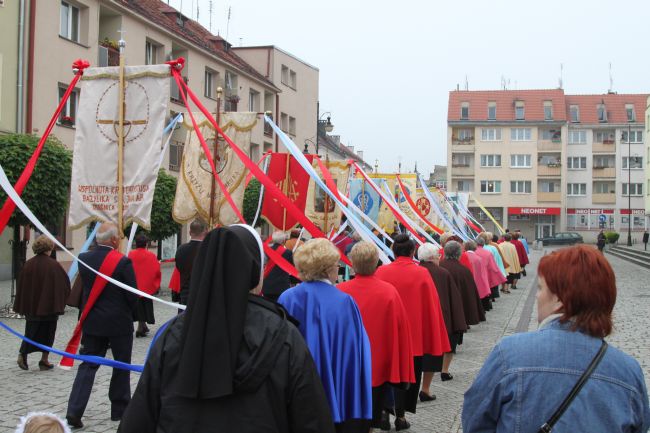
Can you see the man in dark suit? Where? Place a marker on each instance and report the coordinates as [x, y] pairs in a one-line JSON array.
[[108, 324], [277, 281], [186, 254]]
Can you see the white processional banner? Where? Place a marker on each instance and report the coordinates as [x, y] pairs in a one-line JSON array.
[[195, 183], [94, 188]]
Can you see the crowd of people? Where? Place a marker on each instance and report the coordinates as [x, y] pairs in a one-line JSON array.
[[259, 350]]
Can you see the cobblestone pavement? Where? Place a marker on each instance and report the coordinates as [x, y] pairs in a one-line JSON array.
[[23, 391]]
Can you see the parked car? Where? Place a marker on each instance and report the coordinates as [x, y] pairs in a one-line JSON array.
[[562, 238]]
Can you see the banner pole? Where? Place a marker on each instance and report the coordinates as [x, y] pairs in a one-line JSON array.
[[327, 204], [213, 184], [285, 185], [120, 146]]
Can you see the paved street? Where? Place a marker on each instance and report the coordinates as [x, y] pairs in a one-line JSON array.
[[34, 390]]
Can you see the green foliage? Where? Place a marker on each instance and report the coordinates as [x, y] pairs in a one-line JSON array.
[[612, 237], [47, 191], [162, 223], [251, 199]]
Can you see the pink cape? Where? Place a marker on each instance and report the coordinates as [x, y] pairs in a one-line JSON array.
[[480, 274], [494, 275]]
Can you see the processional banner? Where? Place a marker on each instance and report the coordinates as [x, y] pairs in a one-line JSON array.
[[386, 219], [287, 173], [195, 185], [320, 208], [94, 185], [365, 198]]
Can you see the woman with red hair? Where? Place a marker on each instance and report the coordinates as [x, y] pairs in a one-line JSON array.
[[528, 376]]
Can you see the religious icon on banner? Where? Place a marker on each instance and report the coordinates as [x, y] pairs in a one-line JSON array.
[[322, 201], [320, 208], [365, 198], [289, 176], [101, 137], [424, 206], [197, 190]]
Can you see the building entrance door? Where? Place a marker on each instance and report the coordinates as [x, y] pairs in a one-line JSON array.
[[545, 230]]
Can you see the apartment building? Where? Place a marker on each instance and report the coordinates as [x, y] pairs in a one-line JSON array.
[[11, 13], [542, 161], [646, 166]]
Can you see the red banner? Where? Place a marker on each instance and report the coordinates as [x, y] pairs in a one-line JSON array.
[[293, 181]]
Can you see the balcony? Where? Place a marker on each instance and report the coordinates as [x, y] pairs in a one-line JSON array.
[[607, 146], [549, 146], [549, 170], [601, 172], [462, 170], [609, 198], [549, 196]]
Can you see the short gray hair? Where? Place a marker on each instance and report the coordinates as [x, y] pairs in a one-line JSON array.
[[428, 252], [470, 245], [106, 235], [453, 250], [279, 237], [480, 241]]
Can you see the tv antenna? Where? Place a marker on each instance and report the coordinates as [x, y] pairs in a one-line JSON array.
[[228, 22], [560, 81], [611, 79], [210, 12]]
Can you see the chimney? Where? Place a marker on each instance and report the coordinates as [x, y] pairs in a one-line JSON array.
[[360, 154], [350, 148], [336, 139]]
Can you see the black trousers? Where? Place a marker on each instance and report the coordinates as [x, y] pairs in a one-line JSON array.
[[407, 400], [119, 391]]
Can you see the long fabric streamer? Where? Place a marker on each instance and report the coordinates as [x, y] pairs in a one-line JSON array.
[[489, 215], [365, 233], [415, 209], [436, 205], [9, 206]]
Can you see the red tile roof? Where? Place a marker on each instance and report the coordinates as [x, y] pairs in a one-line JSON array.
[[165, 16], [614, 104], [505, 101]]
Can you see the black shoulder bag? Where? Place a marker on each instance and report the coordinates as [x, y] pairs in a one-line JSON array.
[[548, 425]]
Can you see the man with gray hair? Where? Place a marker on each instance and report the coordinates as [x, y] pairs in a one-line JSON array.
[[185, 256], [276, 280], [109, 323]]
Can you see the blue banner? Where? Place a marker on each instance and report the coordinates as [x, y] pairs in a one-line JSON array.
[[365, 198]]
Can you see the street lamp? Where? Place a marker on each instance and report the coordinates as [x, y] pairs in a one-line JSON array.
[[327, 125], [629, 185]]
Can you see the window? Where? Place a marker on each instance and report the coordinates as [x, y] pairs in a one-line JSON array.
[[292, 79], [231, 92], [549, 186], [491, 186], [577, 162], [490, 160], [492, 111], [292, 125], [69, 22], [520, 186], [68, 114], [284, 122], [491, 134], [604, 161], [637, 221], [150, 51], [604, 137], [461, 160], [254, 152], [602, 113], [284, 75], [574, 111], [253, 101], [519, 110], [175, 155], [463, 186], [635, 135], [631, 115], [635, 162], [548, 110], [576, 189], [520, 134], [635, 188], [209, 88], [520, 161], [549, 159], [577, 137], [465, 134], [464, 111], [554, 135], [603, 188]]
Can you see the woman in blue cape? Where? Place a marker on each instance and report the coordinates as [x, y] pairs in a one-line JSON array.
[[332, 326]]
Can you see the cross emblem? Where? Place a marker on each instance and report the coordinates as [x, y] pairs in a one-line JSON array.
[[105, 115]]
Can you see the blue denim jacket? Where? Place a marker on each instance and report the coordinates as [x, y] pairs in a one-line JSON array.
[[528, 375]]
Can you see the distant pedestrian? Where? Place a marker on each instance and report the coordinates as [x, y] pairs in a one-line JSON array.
[[147, 274], [43, 287], [601, 241], [276, 279], [186, 254], [527, 376]]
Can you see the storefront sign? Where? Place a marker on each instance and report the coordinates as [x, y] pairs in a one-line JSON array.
[[634, 211], [533, 211], [590, 211]]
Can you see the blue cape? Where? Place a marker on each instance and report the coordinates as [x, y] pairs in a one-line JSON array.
[[331, 324]]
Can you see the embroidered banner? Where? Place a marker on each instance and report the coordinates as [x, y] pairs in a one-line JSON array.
[[320, 208], [94, 189], [293, 181], [365, 198], [195, 183]]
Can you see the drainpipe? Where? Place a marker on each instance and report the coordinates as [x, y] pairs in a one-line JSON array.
[[277, 118], [21, 50], [30, 66]]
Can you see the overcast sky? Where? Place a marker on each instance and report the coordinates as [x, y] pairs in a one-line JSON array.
[[386, 67]]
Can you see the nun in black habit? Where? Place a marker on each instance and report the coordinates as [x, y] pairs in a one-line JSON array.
[[233, 362]]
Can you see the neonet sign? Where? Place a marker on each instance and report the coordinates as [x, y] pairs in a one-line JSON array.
[[533, 211]]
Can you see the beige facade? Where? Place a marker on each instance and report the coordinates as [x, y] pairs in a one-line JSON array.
[[9, 43], [646, 164]]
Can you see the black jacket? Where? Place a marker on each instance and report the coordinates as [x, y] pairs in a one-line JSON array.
[[278, 280], [114, 310], [277, 387], [185, 255]]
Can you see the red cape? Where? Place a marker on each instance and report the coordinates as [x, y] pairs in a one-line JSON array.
[[521, 252], [387, 326], [175, 281], [420, 297], [147, 270]]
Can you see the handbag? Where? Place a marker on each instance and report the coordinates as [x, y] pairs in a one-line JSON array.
[[548, 425]]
